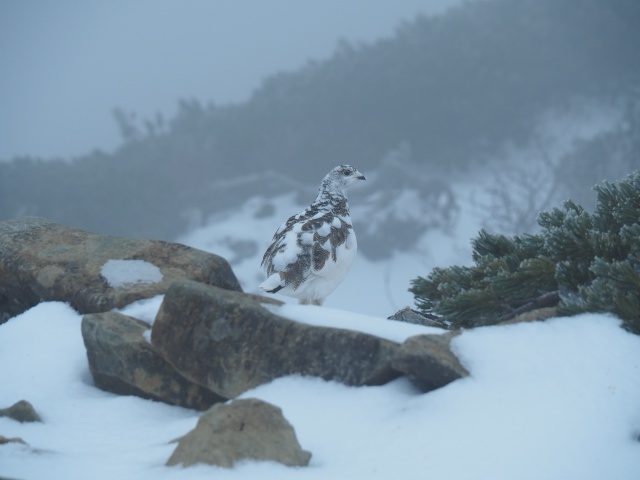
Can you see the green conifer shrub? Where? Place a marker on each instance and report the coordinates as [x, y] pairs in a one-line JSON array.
[[579, 262]]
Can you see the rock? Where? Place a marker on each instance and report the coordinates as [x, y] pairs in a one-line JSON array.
[[43, 261], [21, 411], [248, 429], [408, 315], [229, 342], [4, 440], [122, 361], [428, 361]]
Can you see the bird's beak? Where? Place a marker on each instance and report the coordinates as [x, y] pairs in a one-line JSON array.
[[360, 176]]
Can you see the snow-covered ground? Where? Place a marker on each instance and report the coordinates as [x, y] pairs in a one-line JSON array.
[[553, 400]]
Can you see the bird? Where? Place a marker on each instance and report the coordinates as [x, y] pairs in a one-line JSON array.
[[312, 251]]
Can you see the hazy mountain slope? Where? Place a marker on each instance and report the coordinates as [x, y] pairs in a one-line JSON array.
[[453, 88]]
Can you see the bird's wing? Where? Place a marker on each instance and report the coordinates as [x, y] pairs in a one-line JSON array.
[[303, 244], [330, 234]]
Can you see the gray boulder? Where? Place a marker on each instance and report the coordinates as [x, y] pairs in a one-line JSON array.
[[122, 361], [43, 261], [21, 411], [429, 362], [229, 342], [247, 429]]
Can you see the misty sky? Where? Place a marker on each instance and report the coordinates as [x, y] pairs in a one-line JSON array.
[[67, 63]]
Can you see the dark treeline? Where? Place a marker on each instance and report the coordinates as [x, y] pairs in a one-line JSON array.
[[453, 87]]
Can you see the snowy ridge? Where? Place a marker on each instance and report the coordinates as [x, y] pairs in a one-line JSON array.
[[334, 318]]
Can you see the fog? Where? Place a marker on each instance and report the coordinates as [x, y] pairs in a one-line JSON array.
[[66, 64], [531, 101]]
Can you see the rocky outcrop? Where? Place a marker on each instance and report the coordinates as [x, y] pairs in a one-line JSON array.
[[429, 362], [210, 345], [247, 429], [210, 341], [43, 261], [21, 411], [122, 361], [230, 343]]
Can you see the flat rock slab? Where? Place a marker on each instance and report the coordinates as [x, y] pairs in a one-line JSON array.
[[43, 261], [429, 362], [229, 342], [122, 361], [247, 429]]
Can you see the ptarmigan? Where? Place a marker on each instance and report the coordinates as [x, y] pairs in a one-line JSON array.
[[312, 251]]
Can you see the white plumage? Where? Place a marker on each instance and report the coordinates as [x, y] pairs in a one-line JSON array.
[[312, 251]]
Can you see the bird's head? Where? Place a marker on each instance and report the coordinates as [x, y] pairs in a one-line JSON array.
[[340, 177]]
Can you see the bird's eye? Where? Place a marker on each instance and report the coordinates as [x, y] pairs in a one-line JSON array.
[[346, 172]]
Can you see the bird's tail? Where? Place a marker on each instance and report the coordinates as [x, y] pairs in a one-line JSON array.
[[272, 284]]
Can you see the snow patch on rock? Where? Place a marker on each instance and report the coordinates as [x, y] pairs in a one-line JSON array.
[[124, 273]]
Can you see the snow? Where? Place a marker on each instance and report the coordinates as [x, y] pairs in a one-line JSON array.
[[550, 400], [122, 273], [331, 317], [145, 309]]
